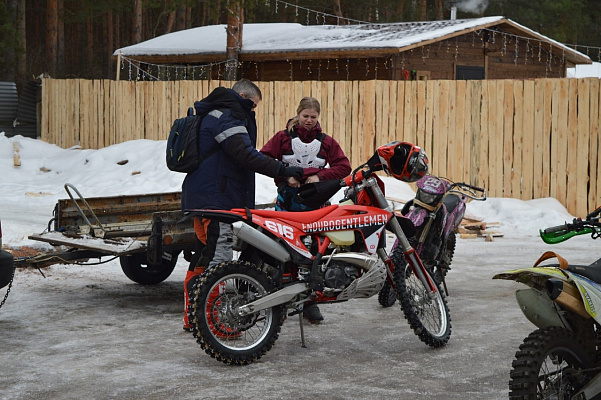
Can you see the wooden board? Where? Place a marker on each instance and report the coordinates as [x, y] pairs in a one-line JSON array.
[[115, 247]]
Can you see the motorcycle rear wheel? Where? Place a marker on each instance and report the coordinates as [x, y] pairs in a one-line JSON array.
[[387, 296], [219, 330], [439, 271], [429, 317], [549, 365]]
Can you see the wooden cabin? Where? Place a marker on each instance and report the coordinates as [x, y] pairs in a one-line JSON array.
[[480, 48]]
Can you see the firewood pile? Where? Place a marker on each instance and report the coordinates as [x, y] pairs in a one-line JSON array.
[[471, 228]]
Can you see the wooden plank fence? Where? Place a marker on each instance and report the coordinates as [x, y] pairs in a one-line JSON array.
[[523, 139]]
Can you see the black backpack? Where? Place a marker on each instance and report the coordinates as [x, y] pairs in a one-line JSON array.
[[182, 144]]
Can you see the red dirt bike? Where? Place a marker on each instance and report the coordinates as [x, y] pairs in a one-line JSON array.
[[332, 254]]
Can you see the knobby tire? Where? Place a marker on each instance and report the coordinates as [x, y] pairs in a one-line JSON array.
[[218, 329], [387, 296], [429, 319], [549, 365]]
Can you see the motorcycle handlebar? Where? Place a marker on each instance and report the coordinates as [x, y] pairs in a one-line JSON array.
[[472, 187], [468, 190], [355, 177], [557, 228], [594, 214], [576, 226]]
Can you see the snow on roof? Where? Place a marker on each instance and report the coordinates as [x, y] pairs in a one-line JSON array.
[[281, 37], [294, 37]]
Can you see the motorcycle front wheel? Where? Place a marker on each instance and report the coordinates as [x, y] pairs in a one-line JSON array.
[[550, 364], [427, 313], [220, 330]]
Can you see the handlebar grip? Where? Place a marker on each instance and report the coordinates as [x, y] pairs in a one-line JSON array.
[[467, 185], [594, 214], [557, 228], [479, 189]]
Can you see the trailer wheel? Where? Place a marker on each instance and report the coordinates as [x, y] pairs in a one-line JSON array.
[[137, 269]]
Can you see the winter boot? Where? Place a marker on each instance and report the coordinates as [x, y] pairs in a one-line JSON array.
[[191, 278], [312, 313]]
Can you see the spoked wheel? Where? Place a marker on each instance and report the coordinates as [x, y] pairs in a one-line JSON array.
[[219, 328], [427, 313], [550, 364], [387, 296]]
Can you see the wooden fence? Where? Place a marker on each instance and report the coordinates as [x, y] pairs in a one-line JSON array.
[[523, 139]]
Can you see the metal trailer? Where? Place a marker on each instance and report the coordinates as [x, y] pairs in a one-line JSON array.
[[147, 232]]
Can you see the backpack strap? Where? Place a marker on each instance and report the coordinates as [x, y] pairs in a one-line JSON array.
[[563, 264], [191, 111]]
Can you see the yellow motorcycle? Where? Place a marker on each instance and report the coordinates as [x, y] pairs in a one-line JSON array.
[[562, 358]]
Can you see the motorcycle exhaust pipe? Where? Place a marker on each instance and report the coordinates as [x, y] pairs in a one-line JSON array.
[[359, 260], [566, 295], [261, 241]]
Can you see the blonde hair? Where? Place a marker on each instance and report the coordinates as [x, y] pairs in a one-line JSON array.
[[306, 103]]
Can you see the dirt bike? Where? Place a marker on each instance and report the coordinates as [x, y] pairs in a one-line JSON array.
[[436, 211], [561, 359], [332, 254]]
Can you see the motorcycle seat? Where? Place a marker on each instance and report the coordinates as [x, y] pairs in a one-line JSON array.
[[450, 202], [306, 217], [591, 271]]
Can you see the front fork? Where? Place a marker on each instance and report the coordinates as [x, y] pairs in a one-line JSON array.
[[409, 252], [412, 257]]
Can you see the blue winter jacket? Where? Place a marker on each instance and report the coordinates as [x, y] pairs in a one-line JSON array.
[[225, 179]]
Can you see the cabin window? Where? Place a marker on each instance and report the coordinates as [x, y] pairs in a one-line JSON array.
[[466, 73]]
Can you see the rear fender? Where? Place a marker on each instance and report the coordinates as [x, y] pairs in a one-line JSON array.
[[535, 303], [590, 292], [539, 309], [534, 277]]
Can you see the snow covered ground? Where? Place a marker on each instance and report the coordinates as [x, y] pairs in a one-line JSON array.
[[89, 332], [30, 191]]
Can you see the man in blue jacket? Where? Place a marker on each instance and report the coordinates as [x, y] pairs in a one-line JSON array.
[[225, 179]]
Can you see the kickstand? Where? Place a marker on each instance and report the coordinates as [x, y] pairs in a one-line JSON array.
[[302, 331]]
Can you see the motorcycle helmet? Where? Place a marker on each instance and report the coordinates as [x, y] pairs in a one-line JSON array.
[[403, 160]]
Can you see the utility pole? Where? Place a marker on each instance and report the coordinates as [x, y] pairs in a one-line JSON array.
[[235, 21]]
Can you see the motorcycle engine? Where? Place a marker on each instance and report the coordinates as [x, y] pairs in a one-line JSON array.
[[338, 276]]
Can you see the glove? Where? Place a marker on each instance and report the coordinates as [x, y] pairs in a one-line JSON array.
[[291, 171]]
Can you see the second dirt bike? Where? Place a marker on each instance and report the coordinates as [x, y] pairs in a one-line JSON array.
[[560, 360], [332, 254], [436, 211]]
